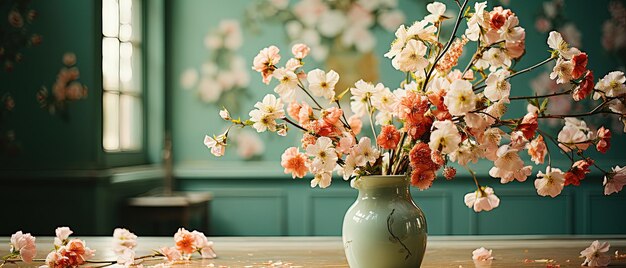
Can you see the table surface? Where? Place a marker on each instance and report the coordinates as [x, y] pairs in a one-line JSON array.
[[442, 251]]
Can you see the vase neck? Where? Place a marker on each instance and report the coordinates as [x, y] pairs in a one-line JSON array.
[[384, 187]]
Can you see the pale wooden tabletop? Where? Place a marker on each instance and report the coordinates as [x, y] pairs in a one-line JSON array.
[[448, 251]]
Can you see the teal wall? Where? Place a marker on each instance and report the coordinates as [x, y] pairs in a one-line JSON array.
[[61, 175]]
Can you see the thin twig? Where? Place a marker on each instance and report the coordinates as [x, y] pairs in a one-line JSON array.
[[522, 71], [445, 49]]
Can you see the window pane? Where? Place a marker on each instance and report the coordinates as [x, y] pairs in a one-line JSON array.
[[126, 11], [131, 123], [126, 32], [110, 18], [126, 65], [110, 139], [110, 63]]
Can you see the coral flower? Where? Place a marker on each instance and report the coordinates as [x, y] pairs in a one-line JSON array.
[[529, 125], [580, 65], [537, 150], [185, 241], [585, 87], [388, 137], [294, 162], [578, 172], [331, 115], [77, 252], [422, 179], [412, 107], [419, 127], [449, 173], [355, 124], [604, 140]]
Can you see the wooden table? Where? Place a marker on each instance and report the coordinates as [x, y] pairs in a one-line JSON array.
[[509, 251]]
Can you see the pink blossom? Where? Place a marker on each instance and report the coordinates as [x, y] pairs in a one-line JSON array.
[[537, 150], [595, 255], [265, 62], [294, 162], [482, 254], [293, 110], [482, 199], [171, 253], [300, 50], [604, 140], [615, 180], [203, 245], [543, 25], [24, 245], [122, 240], [355, 124], [331, 115], [345, 143], [482, 257], [126, 258], [185, 241], [57, 260]]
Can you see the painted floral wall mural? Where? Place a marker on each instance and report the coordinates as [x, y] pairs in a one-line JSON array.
[[340, 33], [15, 34], [614, 32], [224, 76], [65, 90]]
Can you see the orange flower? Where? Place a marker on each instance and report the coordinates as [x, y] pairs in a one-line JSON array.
[[421, 155], [185, 241], [388, 137], [294, 162], [412, 107], [417, 128], [422, 179]]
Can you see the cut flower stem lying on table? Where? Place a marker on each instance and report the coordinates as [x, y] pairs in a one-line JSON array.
[[74, 252]]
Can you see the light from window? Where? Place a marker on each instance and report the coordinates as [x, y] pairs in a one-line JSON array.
[[121, 75]]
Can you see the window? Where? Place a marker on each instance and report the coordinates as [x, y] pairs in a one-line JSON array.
[[122, 98]]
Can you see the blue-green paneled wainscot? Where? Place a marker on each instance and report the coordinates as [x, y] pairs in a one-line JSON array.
[[90, 202], [270, 205]]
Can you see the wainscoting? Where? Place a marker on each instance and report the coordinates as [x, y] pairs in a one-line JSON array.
[[282, 206]]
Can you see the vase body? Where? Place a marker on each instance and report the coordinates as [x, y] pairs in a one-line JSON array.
[[384, 228]]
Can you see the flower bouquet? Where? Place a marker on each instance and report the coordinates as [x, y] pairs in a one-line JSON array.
[[441, 113]]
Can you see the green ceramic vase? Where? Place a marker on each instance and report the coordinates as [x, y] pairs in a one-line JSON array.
[[384, 227]]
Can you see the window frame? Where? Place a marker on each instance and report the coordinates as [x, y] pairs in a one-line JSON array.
[[117, 158]]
